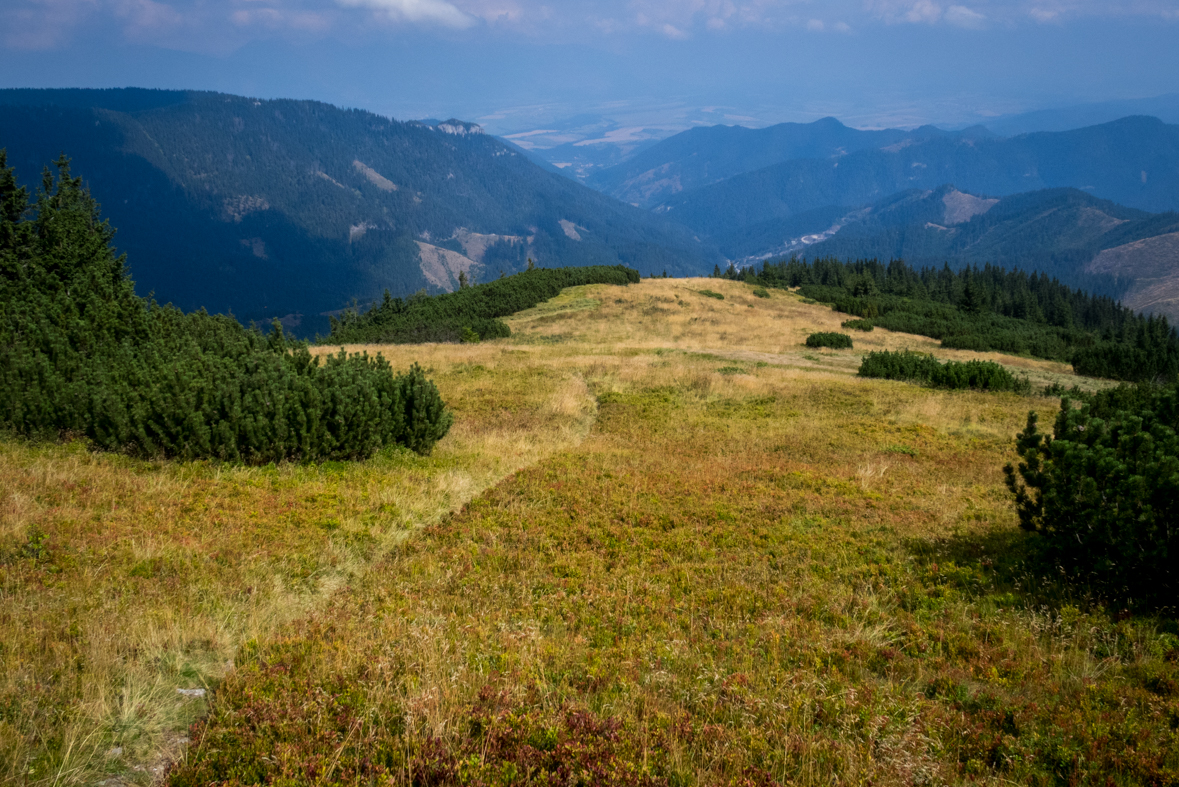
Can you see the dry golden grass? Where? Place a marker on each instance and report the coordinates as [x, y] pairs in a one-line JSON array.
[[778, 577], [158, 571], [153, 574]]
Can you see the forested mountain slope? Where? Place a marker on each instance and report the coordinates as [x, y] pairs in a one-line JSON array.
[[1087, 242], [1057, 231], [701, 156], [1133, 161], [288, 208]]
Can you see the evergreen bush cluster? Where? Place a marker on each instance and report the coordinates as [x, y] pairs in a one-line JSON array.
[[81, 354], [988, 309], [1103, 490], [857, 325], [922, 368], [469, 314], [839, 341]]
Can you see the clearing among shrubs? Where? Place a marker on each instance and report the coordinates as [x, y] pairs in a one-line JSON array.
[[1103, 490], [839, 341], [81, 354], [858, 325], [469, 314], [908, 365]]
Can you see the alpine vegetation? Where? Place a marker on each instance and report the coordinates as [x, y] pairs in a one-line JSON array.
[[838, 341], [908, 365], [81, 354], [1103, 490], [471, 313]]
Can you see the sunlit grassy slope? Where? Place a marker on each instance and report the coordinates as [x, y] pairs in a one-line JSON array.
[[665, 543]]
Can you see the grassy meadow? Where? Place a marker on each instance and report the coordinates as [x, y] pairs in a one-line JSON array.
[[665, 543]]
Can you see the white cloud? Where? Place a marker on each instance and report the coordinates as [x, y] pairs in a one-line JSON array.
[[425, 11], [961, 16], [223, 25], [923, 11], [895, 11]]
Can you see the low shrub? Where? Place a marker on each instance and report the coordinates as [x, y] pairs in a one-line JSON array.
[[468, 314], [1056, 389], [922, 368], [81, 354], [857, 325], [1103, 491], [711, 294], [839, 341], [761, 292]]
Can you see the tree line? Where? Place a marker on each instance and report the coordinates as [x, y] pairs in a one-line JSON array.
[[987, 308]]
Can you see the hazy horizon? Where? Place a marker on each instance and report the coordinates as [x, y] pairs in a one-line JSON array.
[[611, 70]]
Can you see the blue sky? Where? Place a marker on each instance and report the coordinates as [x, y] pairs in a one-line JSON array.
[[516, 65]]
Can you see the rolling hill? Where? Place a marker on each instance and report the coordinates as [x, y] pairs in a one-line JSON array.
[[1133, 161], [293, 209]]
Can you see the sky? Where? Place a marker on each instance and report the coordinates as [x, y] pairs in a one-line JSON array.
[[520, 66]]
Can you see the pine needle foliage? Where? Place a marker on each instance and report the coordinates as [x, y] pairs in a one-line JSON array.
[[955, 375], [81, 354], [839, 341], [468, 314], [988, 309], [1103, 490]]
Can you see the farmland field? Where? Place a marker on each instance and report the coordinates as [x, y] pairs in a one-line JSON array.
[[664, 543]]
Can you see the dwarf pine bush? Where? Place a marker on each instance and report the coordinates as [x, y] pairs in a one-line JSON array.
[[469, 314], [918, 367], [81, 354], [840, 341], [1103, 490]]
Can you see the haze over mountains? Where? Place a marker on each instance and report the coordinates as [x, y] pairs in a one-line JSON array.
[[294, 208], [703, 156], [1133, 161]]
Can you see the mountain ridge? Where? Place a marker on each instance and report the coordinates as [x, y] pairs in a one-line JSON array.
[[1134, 161], [701, 156], [1066, 233], [282, 208]]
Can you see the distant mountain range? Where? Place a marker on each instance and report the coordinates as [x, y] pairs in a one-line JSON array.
[[1133, 161], [294, 208], [1165, 108], [703, 156]]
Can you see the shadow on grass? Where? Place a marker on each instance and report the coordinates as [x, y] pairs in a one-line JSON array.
[[1014, 568]]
